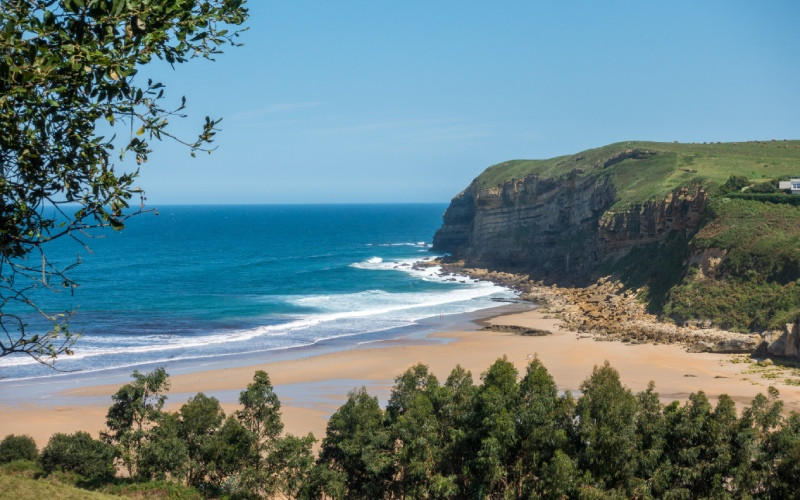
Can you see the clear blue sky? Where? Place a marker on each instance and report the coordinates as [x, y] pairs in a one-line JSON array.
[[340, 102]]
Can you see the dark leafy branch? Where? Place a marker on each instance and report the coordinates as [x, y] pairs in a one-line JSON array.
[[73, 111]]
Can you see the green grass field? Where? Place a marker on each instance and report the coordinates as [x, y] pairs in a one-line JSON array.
[[660, 167], [23, 480]]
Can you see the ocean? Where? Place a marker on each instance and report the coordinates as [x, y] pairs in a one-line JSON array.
[[194, 282]]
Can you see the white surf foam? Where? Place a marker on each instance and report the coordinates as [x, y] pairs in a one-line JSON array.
[[336, 316]]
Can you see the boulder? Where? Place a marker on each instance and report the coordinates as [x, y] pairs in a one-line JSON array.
[[735, 346], [788, 344], [701, 347]]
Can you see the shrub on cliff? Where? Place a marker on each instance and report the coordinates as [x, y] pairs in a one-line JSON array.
[[734, 184], [754, 286]]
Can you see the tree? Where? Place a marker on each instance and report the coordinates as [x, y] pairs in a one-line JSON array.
[[687, 448], [90, 458], [228, 451], [454, 411], [543, 422], [783, 450], [261, 415], [751, 466], [164, 453], [70, 95], [200, 419], [414, 428], [293, 459], [356, 451], [650, 442], [137, 407], [493, 429], [606, 429]]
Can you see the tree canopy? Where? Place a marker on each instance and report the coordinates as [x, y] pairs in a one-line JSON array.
[[76, 122], [514, 435]]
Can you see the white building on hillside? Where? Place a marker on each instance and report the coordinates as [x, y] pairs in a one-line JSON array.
[[793, 185]]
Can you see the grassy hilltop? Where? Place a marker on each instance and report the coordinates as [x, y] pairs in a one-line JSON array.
[[657, 168], [740, 268]]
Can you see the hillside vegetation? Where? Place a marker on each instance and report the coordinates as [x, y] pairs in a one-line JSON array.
[[643, 171], [740, 267], [756, 284]]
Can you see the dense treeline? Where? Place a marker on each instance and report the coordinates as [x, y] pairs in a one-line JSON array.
[[510, 436]]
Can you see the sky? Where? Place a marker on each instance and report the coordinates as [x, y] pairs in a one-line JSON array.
[[377, 101]]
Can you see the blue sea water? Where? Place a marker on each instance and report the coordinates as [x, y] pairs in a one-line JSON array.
[[201, 281]]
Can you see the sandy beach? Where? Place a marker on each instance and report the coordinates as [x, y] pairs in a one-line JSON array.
[[313, 387]]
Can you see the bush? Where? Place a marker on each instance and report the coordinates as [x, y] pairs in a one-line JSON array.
[[764, 187], [777, 198], [18, 448], [79, 453], [734, 184]]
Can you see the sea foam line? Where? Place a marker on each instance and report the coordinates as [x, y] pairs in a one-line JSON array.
[[423, 302]]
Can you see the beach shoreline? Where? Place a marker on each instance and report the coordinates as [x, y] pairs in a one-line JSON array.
[[312, 387]]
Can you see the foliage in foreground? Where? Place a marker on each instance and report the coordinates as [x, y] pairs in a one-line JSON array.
[[240, 455], [511, 436], [79, 453], [518, 438], [73, 105]]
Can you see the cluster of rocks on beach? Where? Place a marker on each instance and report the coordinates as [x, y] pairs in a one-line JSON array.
[[606, 311]]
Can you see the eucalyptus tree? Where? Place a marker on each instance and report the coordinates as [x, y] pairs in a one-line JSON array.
[[260, 415], [543, 423], [136, 409], [415, 431], [606, 429], [783, 453], [454, 411], [493, 430], [77, 120], [356, 456]]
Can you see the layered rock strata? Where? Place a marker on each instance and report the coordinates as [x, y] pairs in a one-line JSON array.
[[559, 229]]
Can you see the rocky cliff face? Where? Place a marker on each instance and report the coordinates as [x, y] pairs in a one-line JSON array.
[[680, 212], [558, 229]]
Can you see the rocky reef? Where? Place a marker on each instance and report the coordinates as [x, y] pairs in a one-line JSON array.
[[606, 311]]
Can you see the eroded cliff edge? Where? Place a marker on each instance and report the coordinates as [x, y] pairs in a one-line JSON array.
[[561, 229], [701, 233]]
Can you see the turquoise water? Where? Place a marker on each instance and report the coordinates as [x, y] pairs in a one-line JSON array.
[[194, 282]]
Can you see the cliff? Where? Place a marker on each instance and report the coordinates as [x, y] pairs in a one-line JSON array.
[[499, 227], [637, 210], [562, 228]]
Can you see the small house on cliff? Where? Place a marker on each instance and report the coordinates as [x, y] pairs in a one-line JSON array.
[[793, 185]]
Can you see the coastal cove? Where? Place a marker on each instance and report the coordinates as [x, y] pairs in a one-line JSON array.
[[327, 299], [199, 282]]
